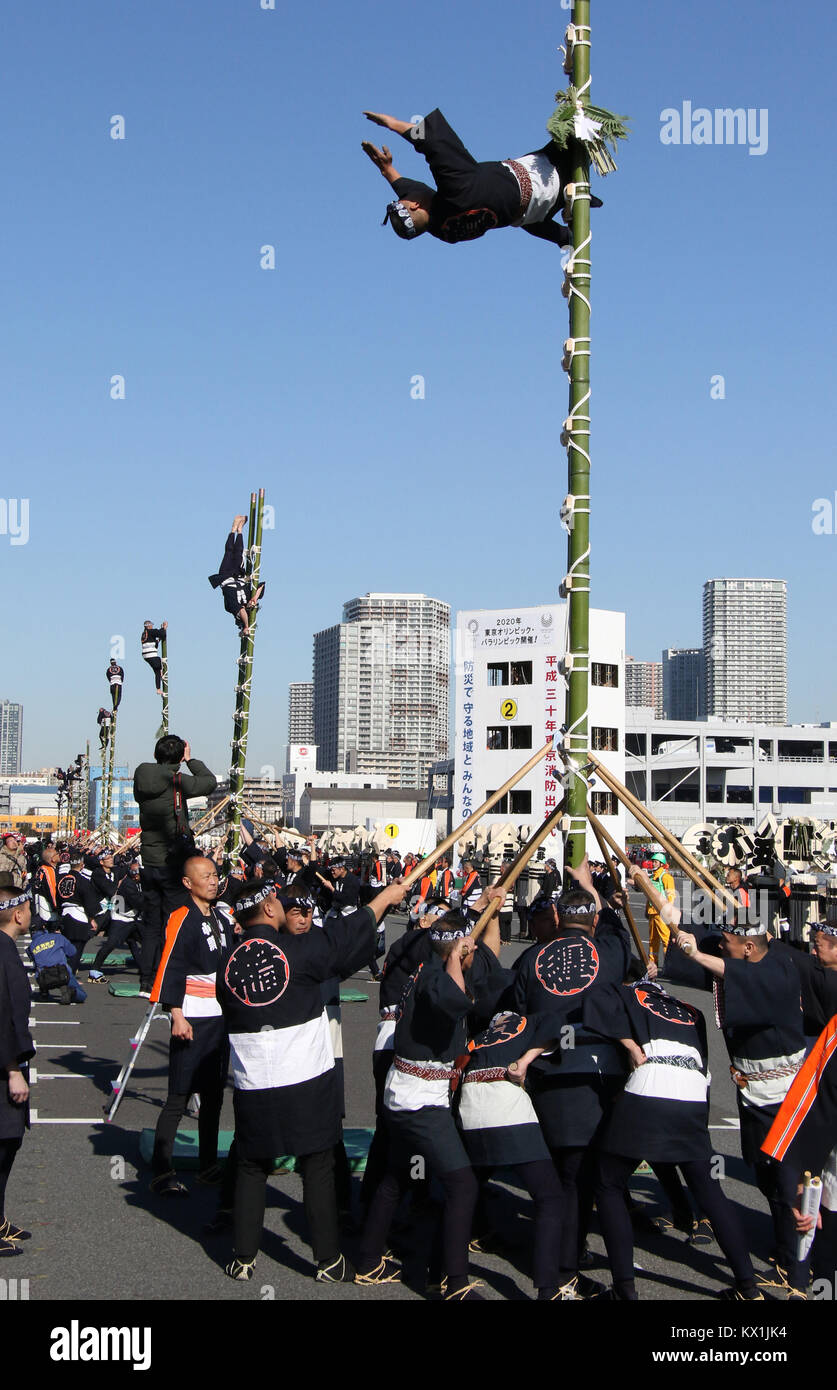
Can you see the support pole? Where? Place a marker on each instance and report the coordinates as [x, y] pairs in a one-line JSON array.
[[604, 840], [241, 718], [421, 869], [576, 584], [87, 787], [164, 684], [106, 827], [511, 873], [701, 877]]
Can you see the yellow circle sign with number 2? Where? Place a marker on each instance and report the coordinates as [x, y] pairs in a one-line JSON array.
[[508, 709]]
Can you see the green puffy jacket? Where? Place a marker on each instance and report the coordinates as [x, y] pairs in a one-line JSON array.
[[154, 794]]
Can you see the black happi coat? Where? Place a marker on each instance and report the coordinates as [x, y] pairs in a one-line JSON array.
[[663, 1113], [570, 1086], [16, 1046], [287, 1093], [761, 1015], [195, 949], [499, 1123], [470, 198]]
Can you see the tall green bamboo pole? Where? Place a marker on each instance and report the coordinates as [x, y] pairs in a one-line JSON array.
[[241, 718], [86, 812], [164, 684], [106, 826], [576, 586]]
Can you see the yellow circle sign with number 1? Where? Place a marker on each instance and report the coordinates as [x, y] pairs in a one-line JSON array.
[[391, 832], [508, 709]]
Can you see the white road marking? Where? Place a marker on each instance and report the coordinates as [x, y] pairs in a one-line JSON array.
[[36, 1120], [54, 1022], [36, 1076]]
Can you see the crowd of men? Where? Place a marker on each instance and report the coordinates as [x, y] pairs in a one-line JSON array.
[[570, 1068]]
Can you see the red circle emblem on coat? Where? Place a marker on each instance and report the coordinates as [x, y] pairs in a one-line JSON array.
[[501, 1029], [663, 1006], [567, 966], [257, 972]]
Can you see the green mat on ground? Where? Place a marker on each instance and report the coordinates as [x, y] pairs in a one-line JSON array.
[[185, 1155], [115, 957], [352, 996], [128, 990]]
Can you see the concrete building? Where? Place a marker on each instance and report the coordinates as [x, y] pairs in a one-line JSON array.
[[644, 685], [683, 683], [745, 641], [11, 738], [324, 807], [510, 695], [719, 770], [301, 712], [294, 784], [381, 688], [124, 811]]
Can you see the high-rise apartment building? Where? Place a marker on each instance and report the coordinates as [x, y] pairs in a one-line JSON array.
[[683, 678], [381, 680], [301, 712], [644, 684], [745, 645], [11, 738]]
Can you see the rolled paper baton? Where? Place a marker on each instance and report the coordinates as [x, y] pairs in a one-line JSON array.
[[809, 1206]]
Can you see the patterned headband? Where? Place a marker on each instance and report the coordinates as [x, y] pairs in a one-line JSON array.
[[566, 909], [758, 930], [827, 928], [448, 933], [301, 904], [16, 902], [250, 900]]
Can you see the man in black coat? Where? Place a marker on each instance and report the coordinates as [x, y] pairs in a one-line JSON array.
[[471, 198], [162, 793]]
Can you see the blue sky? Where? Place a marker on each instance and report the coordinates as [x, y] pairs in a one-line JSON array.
[[140, 257]]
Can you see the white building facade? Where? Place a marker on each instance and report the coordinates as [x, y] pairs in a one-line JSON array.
[[510, 697], [722, 770]]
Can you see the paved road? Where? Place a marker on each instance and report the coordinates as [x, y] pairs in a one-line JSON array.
[[82, 1187]]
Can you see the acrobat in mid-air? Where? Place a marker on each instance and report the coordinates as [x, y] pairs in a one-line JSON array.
[[472, 198], [234, 581]]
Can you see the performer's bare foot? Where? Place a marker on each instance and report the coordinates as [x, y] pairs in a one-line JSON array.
[[238, 523]]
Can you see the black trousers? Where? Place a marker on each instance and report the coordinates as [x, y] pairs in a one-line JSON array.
[[200, 1065], [8, 1154], [776, 1183], [575, 1167], [120, 932], [156, 665], [544, 1187], [161, 894], [319, 1200], [614, 1172], [461, 1190], [376, 1158]]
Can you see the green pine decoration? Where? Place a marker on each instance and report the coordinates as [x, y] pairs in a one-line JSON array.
[[561, 126]]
